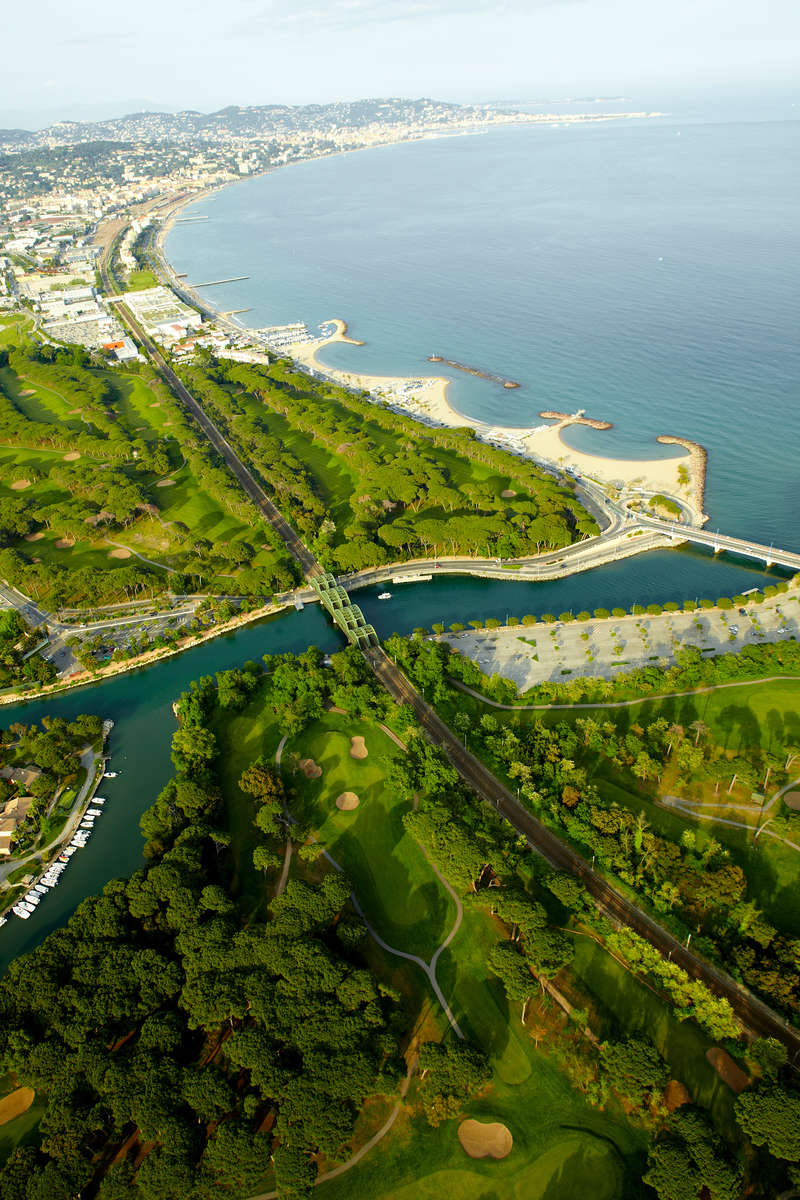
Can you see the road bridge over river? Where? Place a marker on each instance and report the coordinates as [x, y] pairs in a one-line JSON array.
[[771, 556]]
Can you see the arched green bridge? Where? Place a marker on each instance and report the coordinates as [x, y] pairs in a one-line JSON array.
[[347, 616]]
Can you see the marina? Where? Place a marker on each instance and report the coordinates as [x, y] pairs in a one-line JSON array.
[[52, 876]]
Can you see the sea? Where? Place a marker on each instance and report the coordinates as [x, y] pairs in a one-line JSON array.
[[647, 271]]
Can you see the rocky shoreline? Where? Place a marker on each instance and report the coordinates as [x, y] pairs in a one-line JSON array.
[[698, 462]]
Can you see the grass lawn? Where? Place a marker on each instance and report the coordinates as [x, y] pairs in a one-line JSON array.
[[756, 716], [395, 885], [20, 1130], [143, 409], [622, 1005], [43, 405], [13, 328], [242, 739], [563, 1148], [138, 280]]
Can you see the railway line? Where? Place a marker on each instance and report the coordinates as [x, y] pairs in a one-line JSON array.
[[756, 1016]]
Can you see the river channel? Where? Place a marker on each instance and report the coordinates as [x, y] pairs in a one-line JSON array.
[[140, 702]]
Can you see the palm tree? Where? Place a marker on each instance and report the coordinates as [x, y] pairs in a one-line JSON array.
[[700, 729], [675, 735]]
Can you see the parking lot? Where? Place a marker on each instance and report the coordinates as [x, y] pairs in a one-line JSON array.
[[531, 654]]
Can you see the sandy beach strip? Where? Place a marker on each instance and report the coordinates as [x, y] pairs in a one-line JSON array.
[[426, 398]]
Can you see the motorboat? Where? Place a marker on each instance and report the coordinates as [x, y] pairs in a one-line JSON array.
[[385, 596]]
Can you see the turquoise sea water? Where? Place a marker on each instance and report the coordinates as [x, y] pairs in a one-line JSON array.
[[648, 272]]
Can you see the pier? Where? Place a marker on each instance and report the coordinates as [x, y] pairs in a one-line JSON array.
[[216, 282], [187, 220]]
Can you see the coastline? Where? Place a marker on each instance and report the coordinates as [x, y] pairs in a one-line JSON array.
[[425, 398]]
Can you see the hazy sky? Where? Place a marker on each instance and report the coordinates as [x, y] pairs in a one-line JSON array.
[[92, 58]]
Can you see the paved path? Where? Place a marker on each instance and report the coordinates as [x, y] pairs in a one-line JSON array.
[[88, 762], [363, 1150], [695, 809], [714, 687], [150, 561]]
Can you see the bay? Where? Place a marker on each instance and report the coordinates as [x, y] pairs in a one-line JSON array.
[[648, 272]]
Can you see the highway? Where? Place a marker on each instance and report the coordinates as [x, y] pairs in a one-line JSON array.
[[754, 1014]]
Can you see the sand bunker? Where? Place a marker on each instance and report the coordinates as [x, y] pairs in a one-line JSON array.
[[508, 494], [19, 485], [727, 1069], [792, 799], [358, 748], [310, 769], [166, 483], [28, 392], [676, 1094], [156, 404], [491, 1140], [75, 412], [347, 801], [73, 456], [34, 537], [120, 552], [15, 1103], [64, 543]]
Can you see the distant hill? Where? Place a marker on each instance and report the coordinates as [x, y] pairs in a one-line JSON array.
[[261, 121]]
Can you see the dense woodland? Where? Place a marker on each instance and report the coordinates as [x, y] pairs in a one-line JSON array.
[[19, 659], [366, 485], [186, 1048]]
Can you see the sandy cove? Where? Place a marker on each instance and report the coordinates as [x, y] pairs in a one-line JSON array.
[[425, 397]]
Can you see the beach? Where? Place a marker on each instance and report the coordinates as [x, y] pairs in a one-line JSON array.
[[426, 399]]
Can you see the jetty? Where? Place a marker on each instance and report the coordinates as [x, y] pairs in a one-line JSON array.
[[457, 366], [217, 282]]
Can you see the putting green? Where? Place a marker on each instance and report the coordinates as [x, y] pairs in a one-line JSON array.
[[394, 882], [580, 1165]]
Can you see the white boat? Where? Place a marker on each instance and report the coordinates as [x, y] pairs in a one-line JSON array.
[[19, 911], [110, 774], [98, 799], [3, 921], [385, 596]]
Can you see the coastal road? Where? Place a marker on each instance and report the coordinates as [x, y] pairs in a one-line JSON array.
[[581, 556], [754, 1014]]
